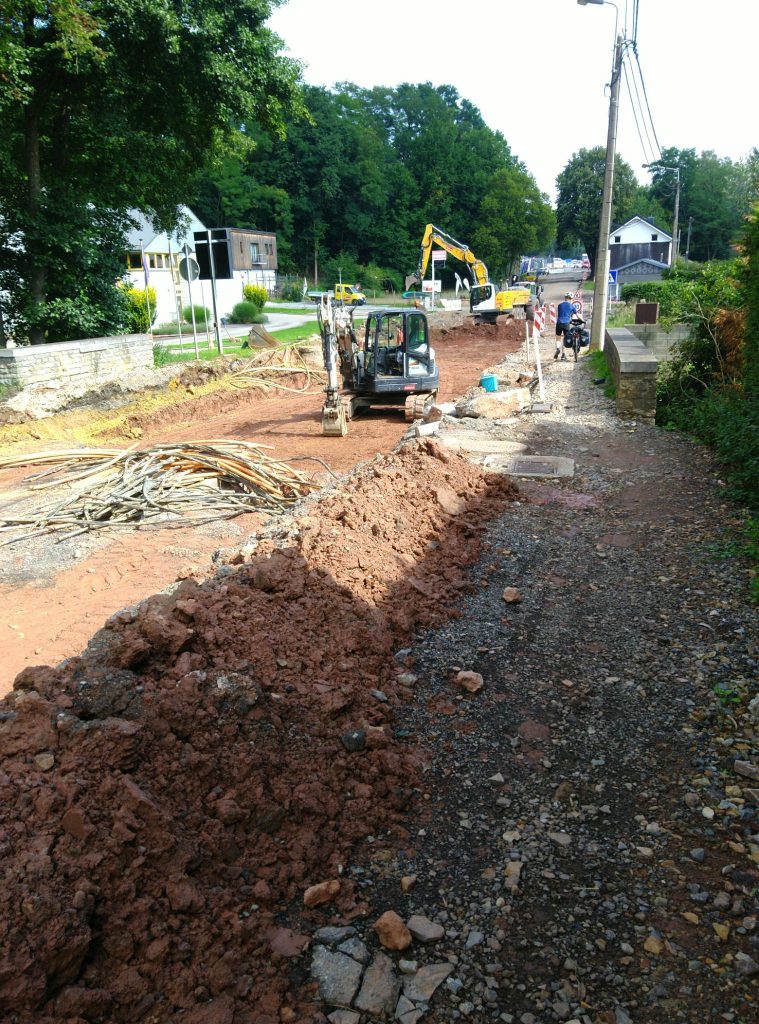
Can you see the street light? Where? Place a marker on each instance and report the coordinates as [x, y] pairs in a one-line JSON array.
[[662, 167], [601, 269]]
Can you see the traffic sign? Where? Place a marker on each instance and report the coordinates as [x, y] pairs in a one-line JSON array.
[[189, 269], [612, 277], [438, 255]]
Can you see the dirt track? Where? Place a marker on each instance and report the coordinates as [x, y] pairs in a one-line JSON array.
[[53, 600]]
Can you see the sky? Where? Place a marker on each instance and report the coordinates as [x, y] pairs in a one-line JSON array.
[[538, 69]]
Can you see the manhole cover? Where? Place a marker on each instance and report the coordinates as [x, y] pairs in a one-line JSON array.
[[540, 465]]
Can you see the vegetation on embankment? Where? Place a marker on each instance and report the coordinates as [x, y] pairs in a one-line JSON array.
[[710, 389]]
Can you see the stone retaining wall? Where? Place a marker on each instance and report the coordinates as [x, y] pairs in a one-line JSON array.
[[633, 368], [661, 343], [91, 361]]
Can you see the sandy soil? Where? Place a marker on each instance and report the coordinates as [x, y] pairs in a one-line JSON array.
[[48, 615]]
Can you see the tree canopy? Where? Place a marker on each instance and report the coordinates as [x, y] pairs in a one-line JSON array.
[[109, 105], [580, 190], [359, 179]]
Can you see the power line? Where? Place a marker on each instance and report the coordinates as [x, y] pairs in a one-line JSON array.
[[646, 121], [645, 94], [646, 156]]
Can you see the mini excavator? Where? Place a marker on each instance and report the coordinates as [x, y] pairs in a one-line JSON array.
[[392, 364]]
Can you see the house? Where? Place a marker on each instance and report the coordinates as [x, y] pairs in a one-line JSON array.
[[638, 239], [253, 260], [638, 271], [162, 256]]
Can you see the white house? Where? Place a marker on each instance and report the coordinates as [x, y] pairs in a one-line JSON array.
[[638, 239], [253, 260], [162, 256]]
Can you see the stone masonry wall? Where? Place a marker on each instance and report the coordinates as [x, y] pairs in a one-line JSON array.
[[91, 361], [634, 369]]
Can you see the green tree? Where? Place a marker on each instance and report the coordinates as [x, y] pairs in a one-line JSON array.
[[580, 191], [515, 218], [363, 175], [113, 104]]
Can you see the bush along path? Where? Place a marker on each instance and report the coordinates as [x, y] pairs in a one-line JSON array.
[[584, 844]]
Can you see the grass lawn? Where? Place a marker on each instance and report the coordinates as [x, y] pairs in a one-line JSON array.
[[232, 347]]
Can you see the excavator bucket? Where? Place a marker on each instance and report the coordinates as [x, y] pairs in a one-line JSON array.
[[411, 279], [334, 420]]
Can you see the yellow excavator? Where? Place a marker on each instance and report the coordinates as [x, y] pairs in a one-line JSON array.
[[484, 300]]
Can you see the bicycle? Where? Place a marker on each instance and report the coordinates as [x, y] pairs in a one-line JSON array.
[[576, 337]]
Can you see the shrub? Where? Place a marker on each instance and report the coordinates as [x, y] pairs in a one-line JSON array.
[[256, 294], [63, 319], [247, 313], [292, 293], [202, 315], [139, 320]]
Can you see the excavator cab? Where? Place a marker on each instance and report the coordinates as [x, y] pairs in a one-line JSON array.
[[392, 364]]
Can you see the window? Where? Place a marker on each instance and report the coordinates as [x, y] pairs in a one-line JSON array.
[[617, 238], [156, 260], [654, 238], [134, 260], [254, 256]]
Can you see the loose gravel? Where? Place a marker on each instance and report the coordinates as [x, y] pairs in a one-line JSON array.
[[587, 833]]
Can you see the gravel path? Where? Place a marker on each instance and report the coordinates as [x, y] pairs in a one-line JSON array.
[[588, 834]]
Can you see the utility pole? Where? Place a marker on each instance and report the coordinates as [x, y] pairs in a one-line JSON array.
[[601, 269], [675, 236], [687, 244]]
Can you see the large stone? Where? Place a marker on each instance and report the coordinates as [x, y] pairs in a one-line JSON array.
[[380, 987], [338, 976], [420, 987], [425, 930], [322, 892], [330, 934], [747, 770], [343, 1017], [392, 932], [470, 681]]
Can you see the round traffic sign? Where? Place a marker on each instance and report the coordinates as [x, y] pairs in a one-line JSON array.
[[189, 268]]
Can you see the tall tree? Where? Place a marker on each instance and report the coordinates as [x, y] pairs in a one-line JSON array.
[[112, 104], [580, 191], [515, 219]]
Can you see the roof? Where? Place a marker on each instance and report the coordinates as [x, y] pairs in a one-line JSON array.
[[151, 240], [643, 220], [655, 264]]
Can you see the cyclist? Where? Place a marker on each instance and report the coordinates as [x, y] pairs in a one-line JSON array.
[[563, 316]]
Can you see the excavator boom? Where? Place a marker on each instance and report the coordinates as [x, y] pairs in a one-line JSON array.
[[434, 236]]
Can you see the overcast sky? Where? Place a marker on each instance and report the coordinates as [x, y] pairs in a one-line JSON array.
[[537, 69]]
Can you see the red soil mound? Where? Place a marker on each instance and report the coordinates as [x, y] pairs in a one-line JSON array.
[[168, 797]]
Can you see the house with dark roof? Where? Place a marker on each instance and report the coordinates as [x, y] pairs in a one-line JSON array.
[[639, 239]]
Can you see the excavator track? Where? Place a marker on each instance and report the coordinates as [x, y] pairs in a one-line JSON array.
[[415, 406]]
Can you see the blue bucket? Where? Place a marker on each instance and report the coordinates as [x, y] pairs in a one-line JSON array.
[[489, 382]]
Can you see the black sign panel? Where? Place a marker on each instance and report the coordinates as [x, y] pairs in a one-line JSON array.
[[222, 253]]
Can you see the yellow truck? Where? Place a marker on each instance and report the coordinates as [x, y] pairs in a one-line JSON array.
[[348, 294]]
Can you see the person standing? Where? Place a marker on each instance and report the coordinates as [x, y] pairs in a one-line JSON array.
[[563, 317]]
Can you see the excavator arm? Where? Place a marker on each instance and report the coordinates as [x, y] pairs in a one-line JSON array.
[[434, 236]]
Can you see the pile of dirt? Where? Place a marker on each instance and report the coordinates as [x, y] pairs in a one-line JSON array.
[[505, 329], [167, 797]]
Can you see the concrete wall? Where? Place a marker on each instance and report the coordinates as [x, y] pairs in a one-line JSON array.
[[633, 368], [92, 361], [658, 341]]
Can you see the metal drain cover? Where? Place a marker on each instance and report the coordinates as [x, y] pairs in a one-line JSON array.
[[540, 465]]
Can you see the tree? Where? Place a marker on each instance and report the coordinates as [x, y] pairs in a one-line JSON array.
[[514, 218], [365, 172], [580, 191], [114, 104]]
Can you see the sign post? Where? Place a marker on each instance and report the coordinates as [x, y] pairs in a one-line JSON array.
[[216, 327], [189, 270]]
